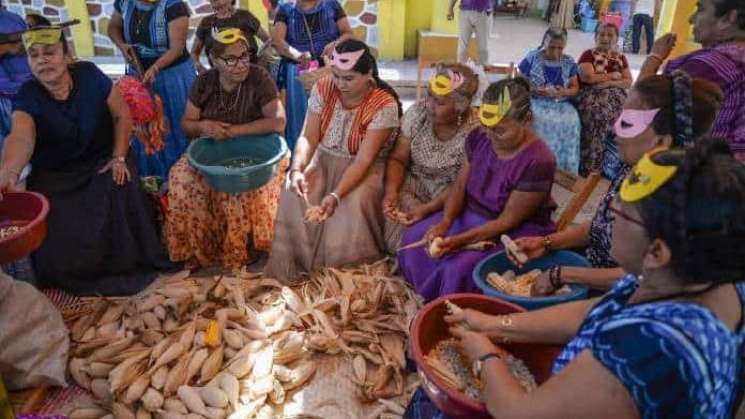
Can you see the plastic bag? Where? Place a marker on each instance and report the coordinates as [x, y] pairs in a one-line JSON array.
[[34, 340]]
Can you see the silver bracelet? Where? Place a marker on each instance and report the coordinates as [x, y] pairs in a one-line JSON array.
[[335, 196]]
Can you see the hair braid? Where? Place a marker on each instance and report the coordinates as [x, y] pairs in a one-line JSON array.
[[682, 108]]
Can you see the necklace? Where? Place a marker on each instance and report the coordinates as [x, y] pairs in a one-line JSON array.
[[223, 98]]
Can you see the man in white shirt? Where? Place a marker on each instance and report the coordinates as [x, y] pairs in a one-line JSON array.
[[644, 12]]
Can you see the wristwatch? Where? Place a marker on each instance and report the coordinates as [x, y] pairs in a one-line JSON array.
[[478, 364]]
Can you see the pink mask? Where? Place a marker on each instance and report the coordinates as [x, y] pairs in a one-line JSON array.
[[633, 122], [347, 60]]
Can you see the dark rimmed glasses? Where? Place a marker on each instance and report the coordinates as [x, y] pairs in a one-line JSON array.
[[234, 61]]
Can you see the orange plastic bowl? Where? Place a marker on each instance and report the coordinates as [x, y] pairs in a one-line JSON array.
[[27, 210], [429, 328]]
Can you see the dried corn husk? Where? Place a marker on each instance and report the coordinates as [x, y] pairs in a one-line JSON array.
[[191, 400], [152, 400], [213, 396], [211, 365], [88, 413], [158, 379], [120, 411]]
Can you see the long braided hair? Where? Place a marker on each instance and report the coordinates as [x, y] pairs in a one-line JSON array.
[[700, 213], [367, 64]]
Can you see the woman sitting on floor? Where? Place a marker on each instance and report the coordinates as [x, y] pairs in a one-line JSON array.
[[664, 125], [74, 127], [503, 187], [553, 76], [667, 340], [234, 98], [429, 151], [337, 170]]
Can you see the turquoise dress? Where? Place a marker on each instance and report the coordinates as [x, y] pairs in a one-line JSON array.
[[556, 121]]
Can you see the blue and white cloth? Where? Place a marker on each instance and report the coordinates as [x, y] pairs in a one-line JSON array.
[[676, 359], [556, 121]]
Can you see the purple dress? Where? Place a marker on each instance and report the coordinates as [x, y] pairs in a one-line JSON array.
[[725, 66], [490, 183]]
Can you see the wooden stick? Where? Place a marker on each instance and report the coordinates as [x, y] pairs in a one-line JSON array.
[[420, 243]]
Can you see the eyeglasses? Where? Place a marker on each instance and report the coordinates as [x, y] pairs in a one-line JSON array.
[[618, 212], [233, 61]]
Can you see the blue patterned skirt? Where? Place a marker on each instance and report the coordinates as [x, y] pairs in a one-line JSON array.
[[558, 124], [172, 84], [296, 98]]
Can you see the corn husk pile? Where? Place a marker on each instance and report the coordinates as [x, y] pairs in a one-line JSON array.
[[238, 346]]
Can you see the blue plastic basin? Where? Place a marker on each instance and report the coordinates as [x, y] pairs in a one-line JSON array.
[[499, 262], [208, 156]]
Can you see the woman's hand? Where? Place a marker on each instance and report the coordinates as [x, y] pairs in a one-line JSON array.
[[390, 205], [451, 244], [304, 58], [416, 215], [150, 74], [533, 247], [542, 286], [329, 49], [119, 171], [129, 53], [615, 76], [437, 230], [215, 129], [8, 181], [298, 183], [474, 320], [664, 46], [329, 204], [474, 344]]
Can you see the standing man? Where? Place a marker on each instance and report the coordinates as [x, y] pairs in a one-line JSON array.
[[474, 18], [643, 12]]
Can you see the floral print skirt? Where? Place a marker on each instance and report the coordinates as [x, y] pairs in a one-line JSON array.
[[205, 227], [598, 109]]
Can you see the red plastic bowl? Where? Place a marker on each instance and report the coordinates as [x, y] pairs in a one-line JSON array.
[[429, 328], [27, 210]]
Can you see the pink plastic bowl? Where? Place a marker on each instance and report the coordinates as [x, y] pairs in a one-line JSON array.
[[429, 328], [29, 211]]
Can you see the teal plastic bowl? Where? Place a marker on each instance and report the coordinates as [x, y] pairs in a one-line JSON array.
[[240, 164], [499, 262]]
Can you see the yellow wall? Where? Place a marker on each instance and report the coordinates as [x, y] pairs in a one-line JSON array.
[[82, 35], [391, 29], [676, 19], [257, 8], [418, 16], [439, 17]]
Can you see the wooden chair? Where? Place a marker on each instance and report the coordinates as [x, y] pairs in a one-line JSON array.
[[573, 193]]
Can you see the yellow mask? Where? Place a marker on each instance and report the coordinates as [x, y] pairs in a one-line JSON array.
[[228, 36], [442, 85], [499, 111], [646, 178], [49, 35]]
